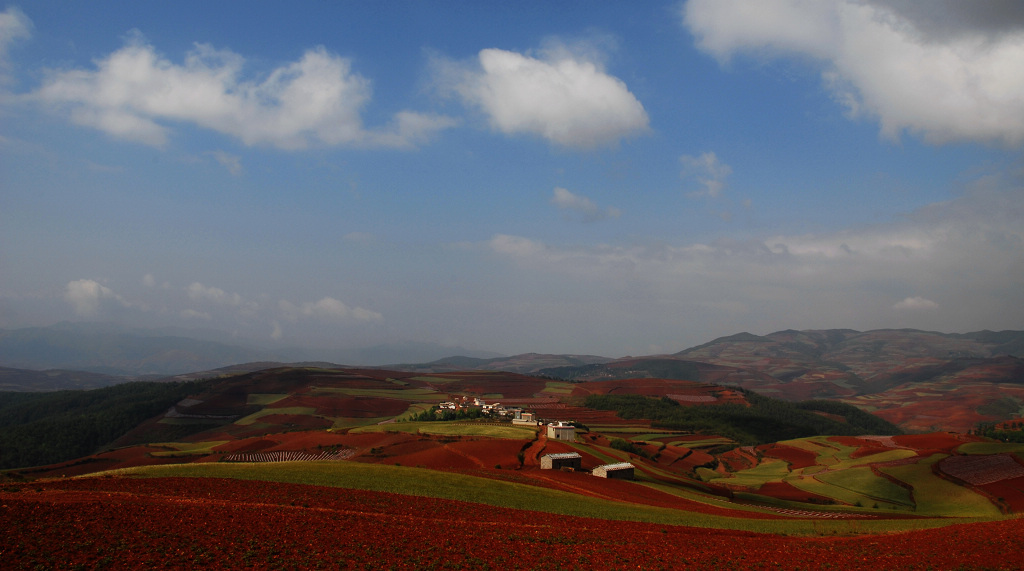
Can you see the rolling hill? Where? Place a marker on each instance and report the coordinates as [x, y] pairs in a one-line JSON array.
[[918, 380], [293, 450]]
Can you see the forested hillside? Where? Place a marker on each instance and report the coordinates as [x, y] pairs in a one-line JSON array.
[[44, 428]]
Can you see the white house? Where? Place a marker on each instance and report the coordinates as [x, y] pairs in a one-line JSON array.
[[562, 431]]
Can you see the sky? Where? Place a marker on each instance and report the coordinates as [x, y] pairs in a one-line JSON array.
[[608, 178]]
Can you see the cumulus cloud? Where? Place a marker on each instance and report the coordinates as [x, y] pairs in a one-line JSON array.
[[85, 296], [566, 98], [136, 94], [709, 172], [946, 70], [582, 206], [328, 308], [915, 303]]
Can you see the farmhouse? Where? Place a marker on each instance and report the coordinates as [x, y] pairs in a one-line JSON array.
[[621, 471], [524, 418], [562, 431], [558, 461]]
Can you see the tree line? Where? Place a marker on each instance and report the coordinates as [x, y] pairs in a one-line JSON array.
[[37, 429]]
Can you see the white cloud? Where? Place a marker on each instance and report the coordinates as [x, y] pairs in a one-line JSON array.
[[913, 68], [135, 93], [707, 171], [916, 303], [328, 308], [581, 205], [149, 280], [516, 246], [199, 292], [85, 296], [565, 98], [968, 252], [14, 25], [231, 162]]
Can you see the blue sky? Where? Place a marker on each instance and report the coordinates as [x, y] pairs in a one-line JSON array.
[[575, 177]]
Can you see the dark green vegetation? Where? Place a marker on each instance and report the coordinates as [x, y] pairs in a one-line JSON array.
[[655, 368], [45, 428], [431, 415], [1012, 433], [765, 420], [55, 380]]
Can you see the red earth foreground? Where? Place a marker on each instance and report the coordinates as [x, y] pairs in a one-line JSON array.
[[183, 523]]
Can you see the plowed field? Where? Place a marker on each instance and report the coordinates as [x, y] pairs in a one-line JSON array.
[[227, 524]]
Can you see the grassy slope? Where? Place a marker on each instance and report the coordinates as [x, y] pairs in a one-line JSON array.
[[423, 482], [452, 429]]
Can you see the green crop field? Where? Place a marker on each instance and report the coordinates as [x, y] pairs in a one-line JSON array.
[[938, 497], [992, 448], [297, 410], [620, 429], [186, 448], [766, 471], [558, 388], [875, 489], [654, 435], [704, 443], [264, 398], [434, 380], [414, 395], [843, 460], [423, 482], [452, 429], [345, 422]]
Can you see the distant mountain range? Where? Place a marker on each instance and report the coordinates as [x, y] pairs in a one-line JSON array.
[[919, 380], [110, 349]]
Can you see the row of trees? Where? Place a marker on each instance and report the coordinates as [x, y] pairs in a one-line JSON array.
[[1005, 434], [435, 413]]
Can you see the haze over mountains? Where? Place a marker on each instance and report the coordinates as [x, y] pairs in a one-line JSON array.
[[121, 351], [917, 379]]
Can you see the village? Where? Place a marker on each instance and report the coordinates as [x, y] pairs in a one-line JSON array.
[[552, 429]]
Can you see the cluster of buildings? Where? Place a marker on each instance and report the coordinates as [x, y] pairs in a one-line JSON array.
[[573, 461], [488, 409], [555, 431]]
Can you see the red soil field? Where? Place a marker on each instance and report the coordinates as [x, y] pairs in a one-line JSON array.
[[738, 459], [658, 387], [589, 416], [786, 491], [943, 441], [1009, 493], [185, 523], [293, 422], [345, 406], [796, 457]]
